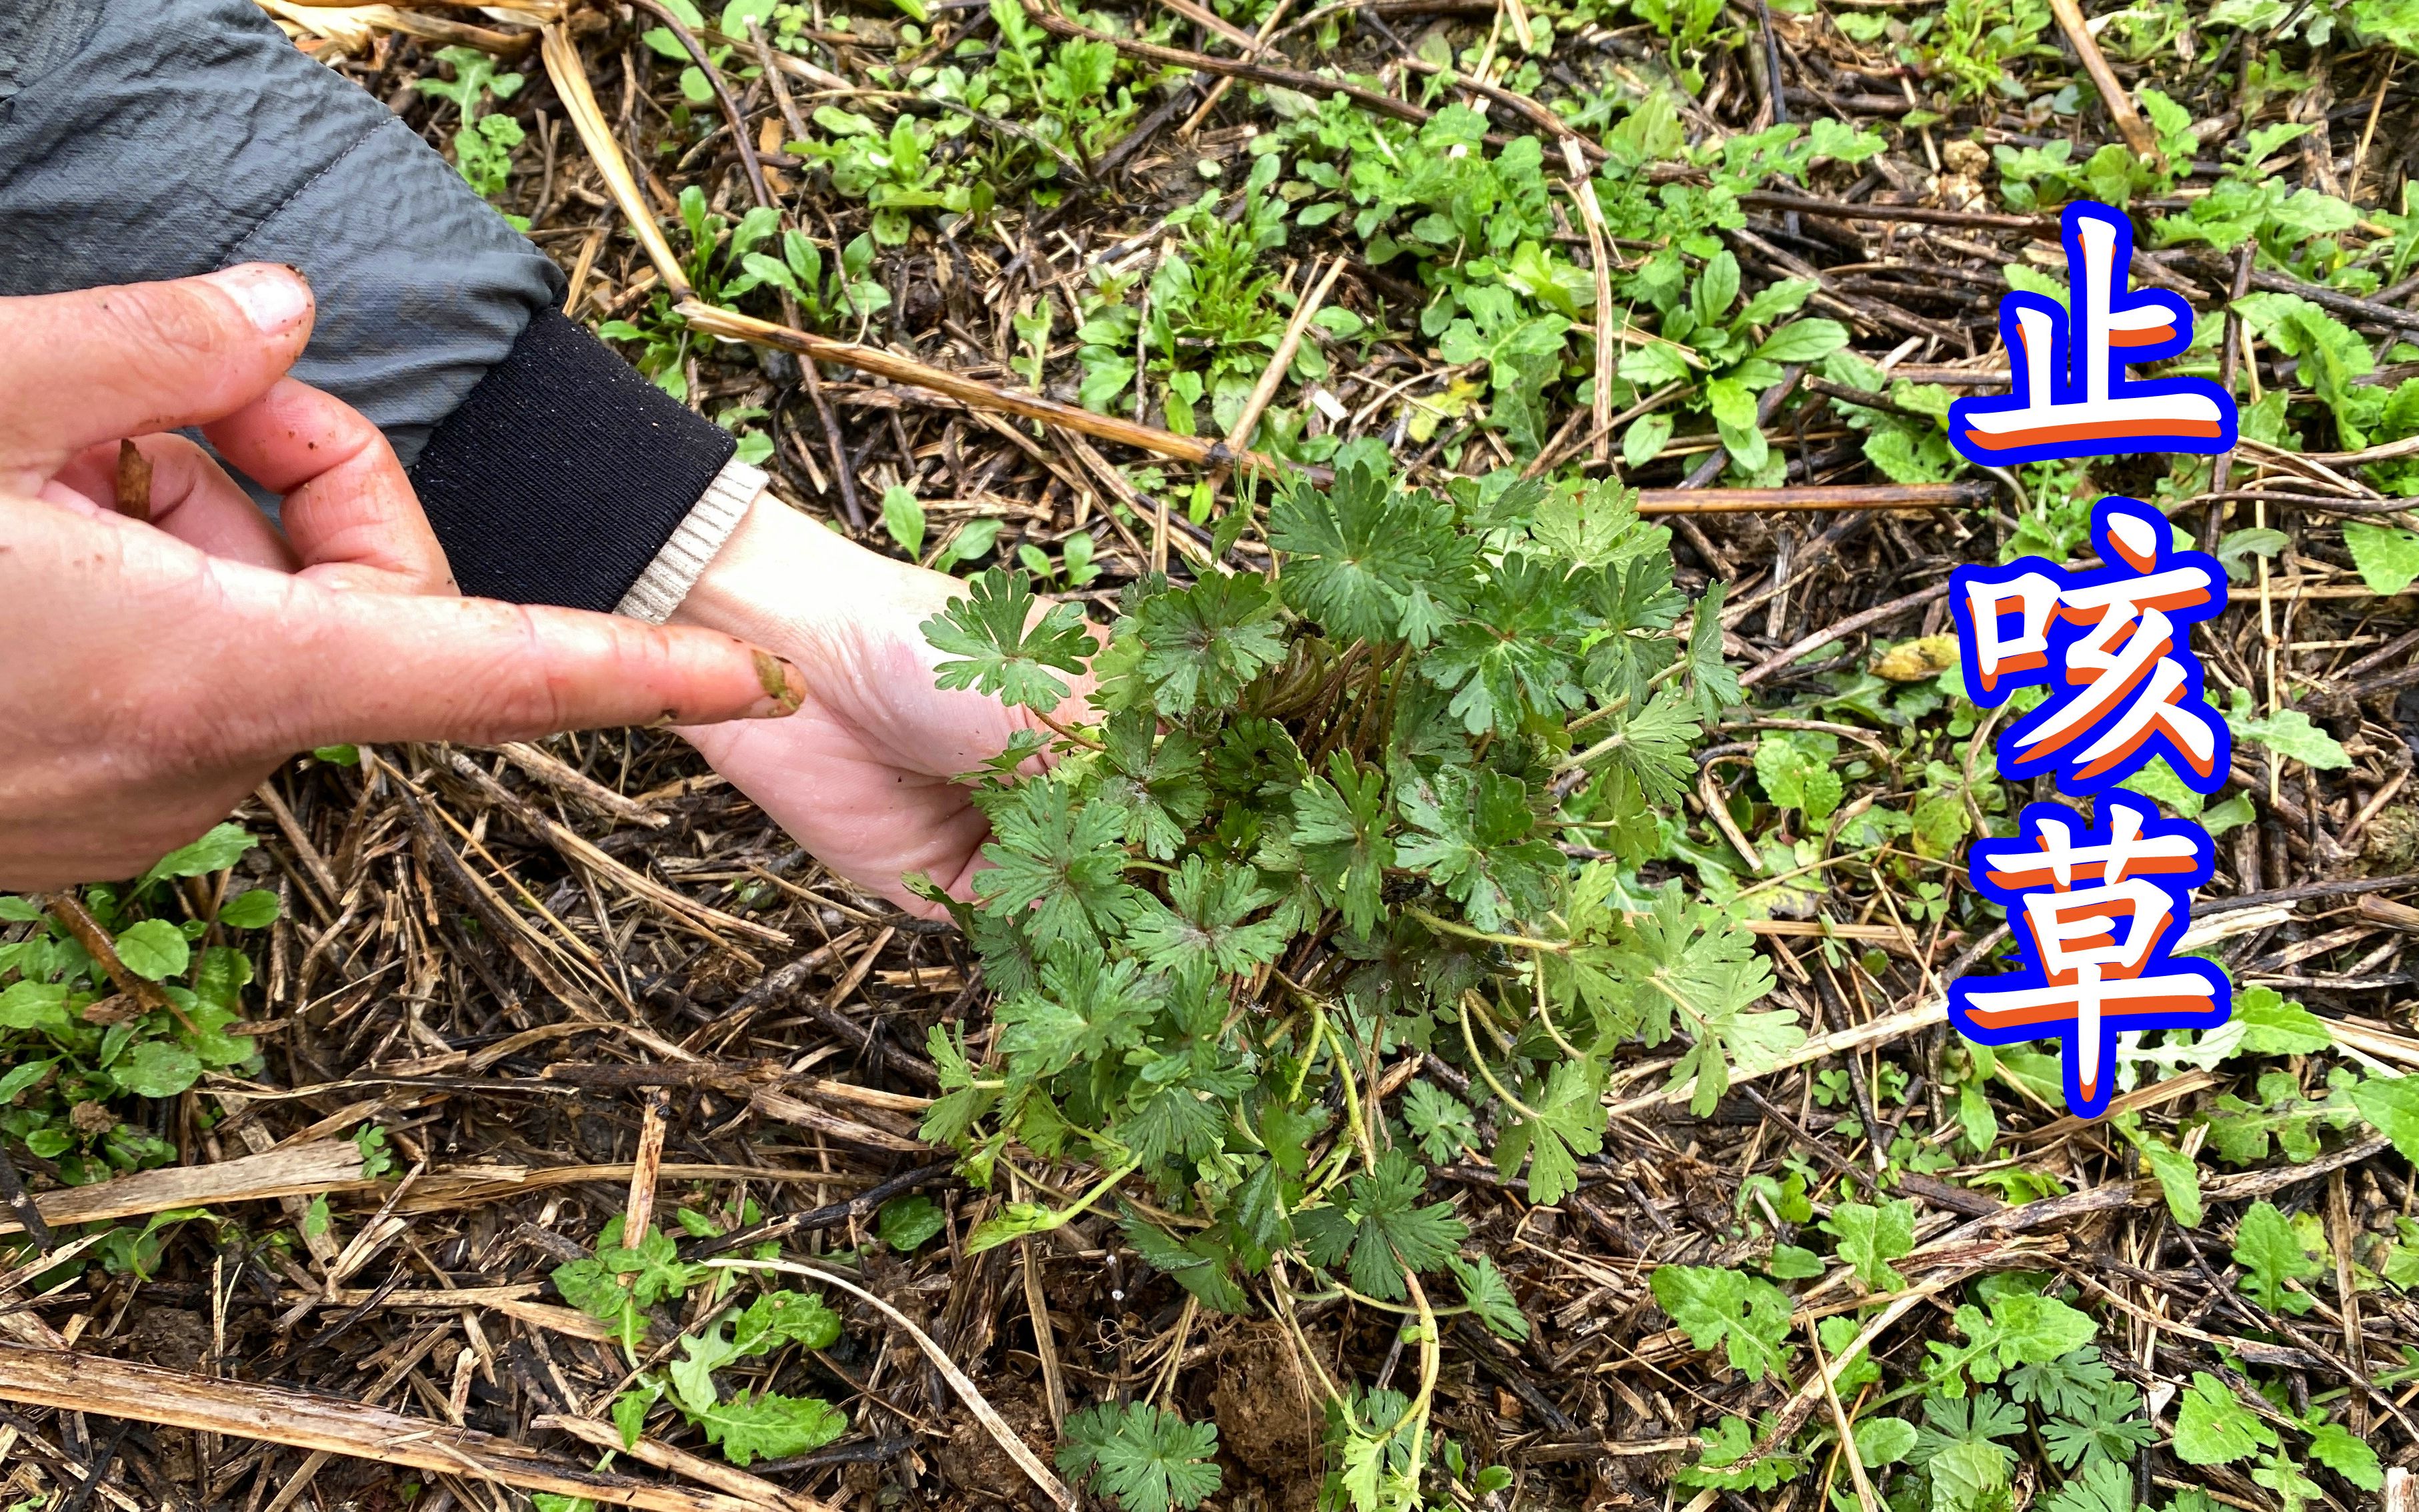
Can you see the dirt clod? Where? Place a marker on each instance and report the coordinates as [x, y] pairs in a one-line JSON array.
[[973, 1462], [1268, 1418]]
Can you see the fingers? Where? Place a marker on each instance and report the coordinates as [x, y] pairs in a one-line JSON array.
[[377, 667], [348, 511], [142, 358], [167, 680], [130, 360], [191, 497], [349, 508]]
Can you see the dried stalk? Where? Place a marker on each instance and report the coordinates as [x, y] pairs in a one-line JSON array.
[[328, 1424], [2130, 124], [570, 78], [1015, 1447]]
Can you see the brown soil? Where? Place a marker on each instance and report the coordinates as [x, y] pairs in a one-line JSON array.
[[1268, 1416], [972, 1464]]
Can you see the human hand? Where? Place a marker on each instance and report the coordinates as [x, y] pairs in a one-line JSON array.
[[155, 673], [865, 774]]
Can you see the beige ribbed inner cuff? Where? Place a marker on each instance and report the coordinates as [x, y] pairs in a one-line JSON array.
[[676, 568]]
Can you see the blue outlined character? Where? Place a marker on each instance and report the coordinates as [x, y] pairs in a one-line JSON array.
[[2095, 913], [2072, 396], [2112, 645]]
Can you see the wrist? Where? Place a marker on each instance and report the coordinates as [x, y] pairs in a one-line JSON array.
[[771, 563], [786, 580]]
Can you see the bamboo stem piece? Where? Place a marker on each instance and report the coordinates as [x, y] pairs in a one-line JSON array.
[[570, 77], [1271, 377], [326, 1424], [2130, 124], [966, 391]]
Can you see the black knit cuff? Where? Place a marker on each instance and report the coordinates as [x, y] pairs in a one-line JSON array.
[[563, 473]]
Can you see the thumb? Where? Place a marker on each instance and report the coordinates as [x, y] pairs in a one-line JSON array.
[[361, 666], [102, 363]]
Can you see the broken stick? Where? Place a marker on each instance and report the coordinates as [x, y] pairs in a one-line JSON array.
[[326, 1424]]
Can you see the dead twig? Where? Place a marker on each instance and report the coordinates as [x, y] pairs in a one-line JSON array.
[[335, 1426], [2128, 121], [992, 1423]]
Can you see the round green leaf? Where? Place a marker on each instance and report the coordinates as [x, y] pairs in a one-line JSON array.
[[214, 851], [909, 1223], [254, 909], [1884, 1441], [154, 949], [2392, 1103], [22, 1076], [34, 1005], [158, 1068]]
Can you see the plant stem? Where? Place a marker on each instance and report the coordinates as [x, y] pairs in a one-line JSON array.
[[1066, 733], [1064, 1216], [1546, 1016], [1349, 1295], [1431, 1362], [1489, 1076], [1283, 1296], [1351, 1099], [1332, 1163], [1778, 878], [1446, 926], [1310, 1051]]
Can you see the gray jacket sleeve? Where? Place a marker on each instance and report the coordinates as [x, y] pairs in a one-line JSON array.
[[156, 139], [152, 139]]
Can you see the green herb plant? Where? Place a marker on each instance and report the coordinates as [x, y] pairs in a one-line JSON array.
[[483, 145], [895, 172], [734, 260], [714, 264], [632, 1289], [1477, 226], [1068, 93], [904, 521], [727, 261], [1208, 321], [1074, 560], [2023, 1377], [75, 1051], [731, 22], [1308, 822], [1687, 25], [1739, 348], [1978, 43], [842, 294], [1148, 1459]]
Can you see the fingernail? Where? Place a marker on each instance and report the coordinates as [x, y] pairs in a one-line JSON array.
[[275, 297], [785, 688]]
